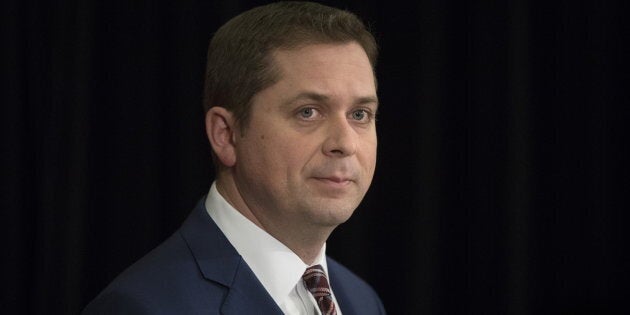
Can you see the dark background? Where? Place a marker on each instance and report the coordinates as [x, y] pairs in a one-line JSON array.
[[500, 186]]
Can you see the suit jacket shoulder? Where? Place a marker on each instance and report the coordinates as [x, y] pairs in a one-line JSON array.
[[194, 271]]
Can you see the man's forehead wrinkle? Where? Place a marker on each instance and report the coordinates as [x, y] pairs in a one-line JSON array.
[[324, 98], [314, 96], [368, 100]]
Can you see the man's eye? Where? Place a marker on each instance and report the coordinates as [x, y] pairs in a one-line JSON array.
[[307, 112], [360, 115]]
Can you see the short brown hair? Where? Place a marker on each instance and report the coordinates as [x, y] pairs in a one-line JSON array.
[[239, 55]]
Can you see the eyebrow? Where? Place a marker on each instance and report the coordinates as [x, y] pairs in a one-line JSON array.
[[318, 97]]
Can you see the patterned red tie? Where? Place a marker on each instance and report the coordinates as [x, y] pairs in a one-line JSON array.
[[316, 282]]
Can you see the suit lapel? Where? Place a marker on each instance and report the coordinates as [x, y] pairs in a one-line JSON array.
[[219, 262], [340, 289], [247, 295]]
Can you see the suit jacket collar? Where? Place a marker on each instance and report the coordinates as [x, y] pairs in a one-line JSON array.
[[340, 289], [219, 262]]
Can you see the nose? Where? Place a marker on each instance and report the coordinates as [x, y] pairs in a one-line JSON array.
[[341, 138]]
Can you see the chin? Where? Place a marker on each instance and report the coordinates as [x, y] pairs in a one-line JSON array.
[[332, 214]]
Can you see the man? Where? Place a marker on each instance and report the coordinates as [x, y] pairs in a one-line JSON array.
[[290, 100]]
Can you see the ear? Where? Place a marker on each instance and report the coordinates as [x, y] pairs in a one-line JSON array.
[[220, 132]]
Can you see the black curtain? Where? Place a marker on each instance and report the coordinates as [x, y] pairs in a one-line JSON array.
[[502, 165]]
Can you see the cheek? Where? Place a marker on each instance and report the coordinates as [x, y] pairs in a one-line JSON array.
[[254, 156], [368, 151], [372, 163], [293, 154], [278, 153]]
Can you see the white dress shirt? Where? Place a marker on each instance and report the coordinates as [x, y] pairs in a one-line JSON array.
[[278, 268]]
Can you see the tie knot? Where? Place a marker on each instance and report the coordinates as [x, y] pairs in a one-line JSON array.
[[316, 282]]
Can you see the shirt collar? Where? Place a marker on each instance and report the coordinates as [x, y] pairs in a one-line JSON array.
[[277, 267]]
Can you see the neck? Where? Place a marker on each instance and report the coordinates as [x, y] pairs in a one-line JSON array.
[[304, 240]]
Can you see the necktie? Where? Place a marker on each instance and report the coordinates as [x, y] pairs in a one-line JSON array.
[[316, 282]]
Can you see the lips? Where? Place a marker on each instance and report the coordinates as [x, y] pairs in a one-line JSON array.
[[335, 182], [336, 174], [335, 179]]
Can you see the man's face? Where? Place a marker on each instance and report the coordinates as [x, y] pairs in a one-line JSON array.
[[308, 152]]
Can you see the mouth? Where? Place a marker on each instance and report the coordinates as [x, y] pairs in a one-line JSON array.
[[335, 181]]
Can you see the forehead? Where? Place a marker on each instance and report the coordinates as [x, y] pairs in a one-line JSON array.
[[350, 53], [326, 68]]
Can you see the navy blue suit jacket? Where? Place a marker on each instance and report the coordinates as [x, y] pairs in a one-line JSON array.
[[198, 271]]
